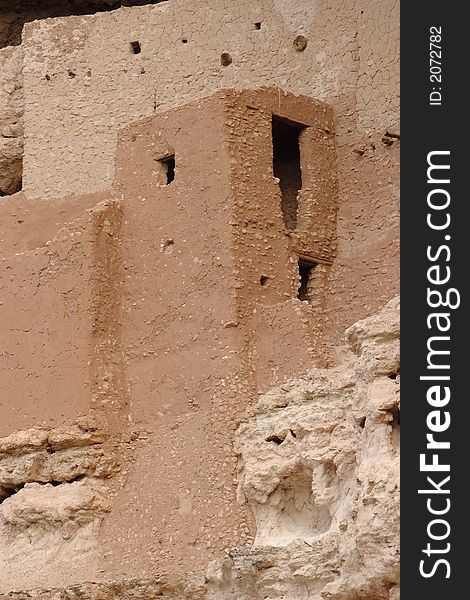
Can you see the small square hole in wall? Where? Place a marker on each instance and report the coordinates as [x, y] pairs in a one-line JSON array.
[[305, 271], [135, 47], [168, 164], [258, 26]]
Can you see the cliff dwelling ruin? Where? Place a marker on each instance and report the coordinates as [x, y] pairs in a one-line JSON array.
[[198, 299]]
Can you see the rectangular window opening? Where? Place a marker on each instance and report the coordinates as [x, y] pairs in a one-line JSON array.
[[306, 269], [136, 47], [286, 166], [168, 164]]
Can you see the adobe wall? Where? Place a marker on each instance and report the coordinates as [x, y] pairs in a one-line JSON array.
[[49, 301], [160, 312], [18, 12], [185, 369], [193, 361], [82, 85], [144, 311], [266, 249]]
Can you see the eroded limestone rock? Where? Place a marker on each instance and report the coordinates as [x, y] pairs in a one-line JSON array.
[[319, 466], [52, 497], [157, 588], [11, 120], [48, 507], [59, 455]]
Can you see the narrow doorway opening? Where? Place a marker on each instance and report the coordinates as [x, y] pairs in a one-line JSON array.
[[286, 166], [169, 165], [306, 269]]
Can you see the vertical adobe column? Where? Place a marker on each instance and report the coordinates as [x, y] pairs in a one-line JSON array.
[[273, 138]]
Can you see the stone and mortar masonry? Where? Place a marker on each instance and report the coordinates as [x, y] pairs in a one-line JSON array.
[[91, 330], [80, 85]]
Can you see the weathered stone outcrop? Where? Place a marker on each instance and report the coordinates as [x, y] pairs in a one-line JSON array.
[[11, 120], [319, 466], [157, 588], [52, 495], [41, 455]]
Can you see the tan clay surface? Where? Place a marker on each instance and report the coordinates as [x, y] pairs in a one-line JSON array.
[[181, 414]]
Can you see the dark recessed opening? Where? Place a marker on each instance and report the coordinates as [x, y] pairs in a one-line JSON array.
[[135, 47], [395, 412], [184, 41], [286, 166], [276, 439], [300, 43], [263, 280], [305, 271], [8, 491], [225, 59], [14, 182], [169, 168], [257, 25]]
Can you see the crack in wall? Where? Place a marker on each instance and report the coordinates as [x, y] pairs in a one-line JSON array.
[[7, 492]]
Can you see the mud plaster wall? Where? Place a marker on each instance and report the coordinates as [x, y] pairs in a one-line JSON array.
[[49, 304], [72, 124], [266, 250], [81, 85], [188, 349], [185, 371], [114, 86], [15, 13]]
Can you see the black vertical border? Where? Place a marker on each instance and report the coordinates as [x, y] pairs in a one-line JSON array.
[[426, 128]]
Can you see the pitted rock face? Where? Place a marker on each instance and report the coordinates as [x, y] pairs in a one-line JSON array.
[[11, 120], [52, 496], [319, 466]]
